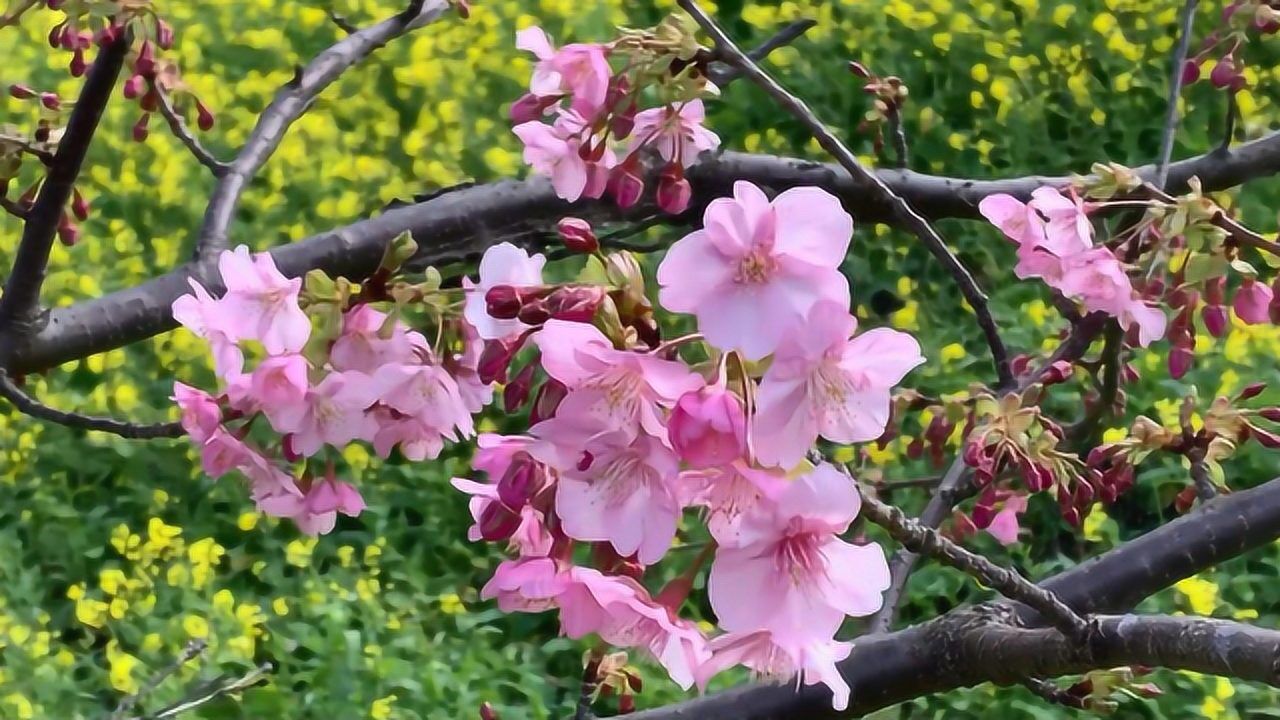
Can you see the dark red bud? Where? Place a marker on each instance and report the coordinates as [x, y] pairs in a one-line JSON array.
[[1190, 71], [573, 304], [21, 92], [79, 206], [522, 480], [1252, 390], [1215, 319], [1072, 516], [534, 313], [204, 118], [134, 87], [1266, 438], [1180, 361], [140, 130], [497, 522], [1184, 500], [1271, 413], [915, 449], [487, 712], [1224, 73], [78, 64], [547, 401], [150, 100], [517, 391], [1058, 372], [624, 122], [859, 70], [577, 235], [527, 109], [164, 35], [145, 64], [635, 682], [626, 704], [502, 302], [68, 232], [626, 187], [50, 101]]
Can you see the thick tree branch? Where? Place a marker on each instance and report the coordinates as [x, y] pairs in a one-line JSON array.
[[179, 128], [19, 306], [28, 405], [459, 225], [927, 541], [292, 101], [887, 669], [902, 211]]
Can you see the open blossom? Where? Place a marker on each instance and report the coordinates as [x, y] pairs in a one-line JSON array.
[[200, 412], [1048, 230], [621, 491], [579, 69], [1098, 280], [1004, 525], [316, 512], [708, 427], [791, 574], [676, 132], [823, 382], [362, 347], [617, 389], [756, 268], [621, 612], [729, 492], [529, 584], [554, 151], [332, 412], [427, 391], [502, 264], [1252, 302], [210, 319], [761, 652], [279, 382], [262, 303]]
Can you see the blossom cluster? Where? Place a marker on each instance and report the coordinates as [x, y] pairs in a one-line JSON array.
[[371, 379], [1055, 243], [594, 109], [634, 436]]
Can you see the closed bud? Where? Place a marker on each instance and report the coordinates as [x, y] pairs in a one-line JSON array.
[[1252, 302], [1072, 516], [577, 235], [547, 401], [1266, 438], [204, 118], [1215, 320], [150, 100], [674, 192], [527, 108], [517, 391], [1252, 390], [79, 206], [626, 187], [134, 87], [487, 712], [915, 449], [78, 64], [522, 480], [1180, 361], [164, 34], [859, 70], [68, 232], [497, 522], [145, 64], [1129, 373], [1058, 372], [573, 303], [21, 92], [1190, 71], [140, 130], [1271, 413], [634, 682], [494, 360], [502, 302], [624, 122], [50, 101], [534, 313], [626, 704]]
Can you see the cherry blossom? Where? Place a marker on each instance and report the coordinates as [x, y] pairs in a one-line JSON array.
[[708, 427], [200, 412], [760, 651], [824, 383], [675, 131], [209, 319], [1098, 279], [1004, 525], [756, 268], [1252, 302], [279, 382], [555, 151], [526, 585], [729, 492], [579, 69], [362, 347], [261, 303], [332, 412], [502, 264]]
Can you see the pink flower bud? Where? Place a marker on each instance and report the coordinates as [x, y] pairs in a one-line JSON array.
[[1252, 301], [134, 87], [502, 302], [574, 304], [708, 427], [527, 109], [164, 35], [517, 391], [50, 101], [79, 206], [145, 64], [204, 118], [1190, 71], [577, 235], [1224, 73], [1180, 361], [1266, 438], [1215, 320], [626, 187], [21, 92], [68, 232], [674, 192], [487, 712], [140, 130], [1058, 372], [78, 64]]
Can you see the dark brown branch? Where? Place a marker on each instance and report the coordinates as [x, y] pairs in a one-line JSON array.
[[179, 128], [343, 24], [28, 405], [458, 226], [722, 73], [189, 653], [19, 306], [1051, 693], [1175, 90], [13, 207], [887, 669], [898, 135], [289, 104], [927, 541], [1206, 489], [901, 210]]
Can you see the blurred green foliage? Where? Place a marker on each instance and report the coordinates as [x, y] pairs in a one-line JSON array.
[[114, 554]]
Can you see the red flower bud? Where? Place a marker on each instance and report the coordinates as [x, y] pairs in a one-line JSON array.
[[150, 100], [522, 480], [624, 122], [78, 64], [626, 187], [577, 235], [502, 302], [1184, 500], [494, 359], [21, 92], [574, 304], [164, 34], [487, 712], [534, 313], [68, 232], [134, 87], [674, 192], [1215, 320], [79, 206], [1058, 372], [50, 101], [517, 391], [859, 70], [1266, 438], [1224, 73], [1180, 361], [497, 522], [1190, 71], [204, 118], [547, 401], [145, 64], [1271, 413], [140, 131], [1252, 390], [527, 108]]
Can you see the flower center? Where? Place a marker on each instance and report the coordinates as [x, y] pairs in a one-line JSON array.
[[799, 555], [756, 268]]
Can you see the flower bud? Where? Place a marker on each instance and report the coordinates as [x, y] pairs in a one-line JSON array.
[[164, 34], [1271, 413], [204, 118], [674, 192], [79, 206], [517, 391], [487, 712], [68, 232], [502, 302], [573, 303], [78, 64], [522, 480], [1058, 372], [577, 235], [134, 87], [624, 122], [150, 100], [534, 313], [1190, 71], [527, 109], [1180, 361], [1185, 499], [547, 401], [140, 131], [1252, 390], [51, 101], [21, 92], [626, 187], [1252, 301], [145, 64], [708, 427], [494, 359], [859, 70], [1215, 319], [497, 522]]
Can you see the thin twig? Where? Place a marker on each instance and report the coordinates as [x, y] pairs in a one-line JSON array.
[[19, 306], [723, 73], [14, 208], [189, 653], [590, 681], [28, 405], [1050, 692], [1175, 91], [910, 483], [902, 212], [899, 136], [208, 692], [1206, 489], [343, 24], [926, 541], [1233, 114], [289, 104], [179, 128]]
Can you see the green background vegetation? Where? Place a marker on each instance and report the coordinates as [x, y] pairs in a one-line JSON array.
[[113, 554]]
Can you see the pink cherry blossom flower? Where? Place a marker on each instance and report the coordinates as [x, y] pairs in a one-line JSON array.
[[1017, 220], [619, 389], [465, 369], [1098, 279], [1252, 302], [676, 132], [279, 383], [201, 416], [362, 347], [621, 612], [581, 70], [223, 452], [1068, 230], [1043, 244], [210, 319], [554, 151], [792, 575], [728, 493], [526, 585], [502, 264], [620, 491], [332, 412], [324, 500], [815, 661], [425, 391], [708, 427], [262, 303], [756, 268], [524, 526], [823, 382], [1004, 526], [417, 439]]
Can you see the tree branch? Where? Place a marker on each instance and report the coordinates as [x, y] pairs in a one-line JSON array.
[[927, 541], [24, 403], [13, 207], [459, 225], [179, 128], [722, 73], [886, 669], [289, 104], [19, 306], [1175, 90], [901, 211]]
